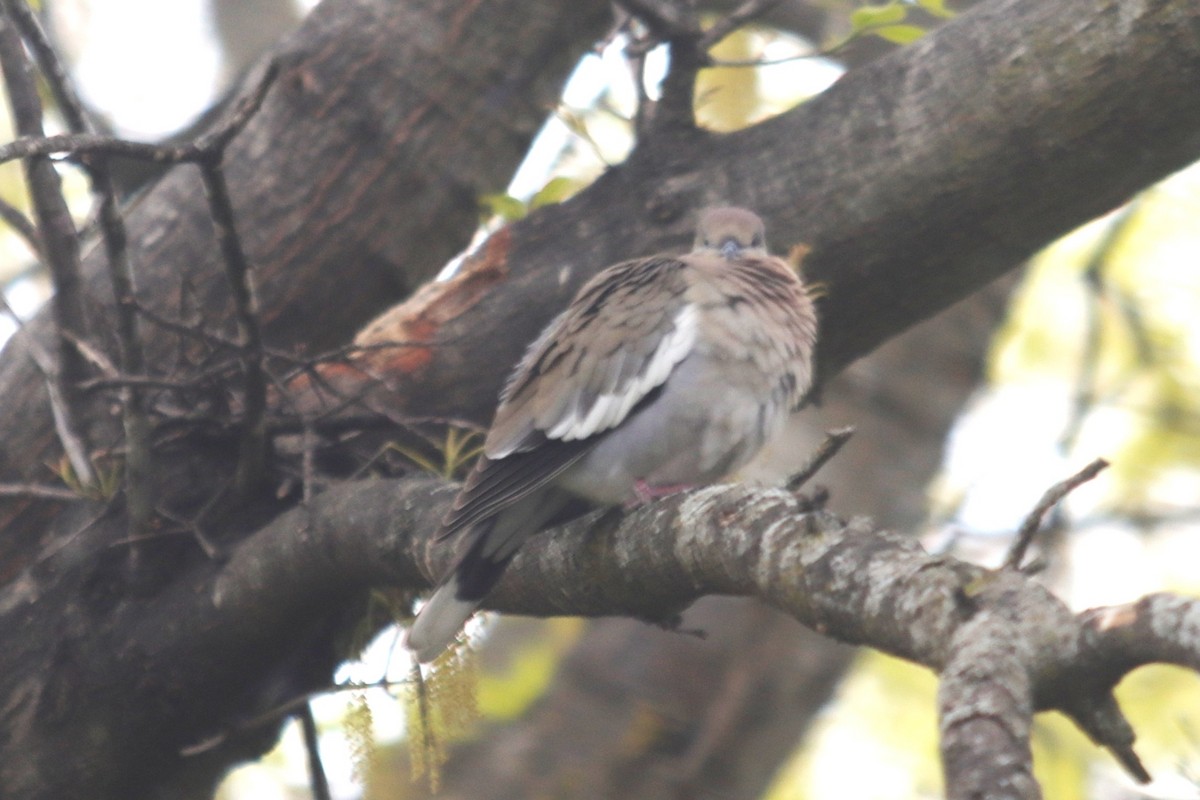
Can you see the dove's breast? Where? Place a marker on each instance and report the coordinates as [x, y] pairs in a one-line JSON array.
[[709, 419]]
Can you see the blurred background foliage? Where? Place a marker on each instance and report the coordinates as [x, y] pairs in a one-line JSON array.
[[1100, 356]]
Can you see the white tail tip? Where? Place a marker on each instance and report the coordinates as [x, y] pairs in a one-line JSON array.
[[437, 623]]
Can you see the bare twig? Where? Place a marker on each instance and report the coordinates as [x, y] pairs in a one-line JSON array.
[[316, 770], [79, 145], [184, 329], [274, 714], [252, 450], [207, 151], [244, 109], [82, 145], [94, 356], [75, 448], [193, 526], [211, 151], [60, 248], [43, 52], [1051, 498], [119, 381], [762, 62], [834, 441], [138, 455], [38, 491]]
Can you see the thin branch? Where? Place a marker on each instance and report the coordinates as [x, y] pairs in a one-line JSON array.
[[80, 145], [52, 69], [1050, 499], [208, 152], [139, 457], [316, 770], [309, 469], [195, 527], [677, 24], [138, 460], [94, 356], [252, 449], [60, 248], [39, 491], [119, 381], [835, 440], [763, 62], [283, 709], [192, 331], [244, 109], [75, 448]]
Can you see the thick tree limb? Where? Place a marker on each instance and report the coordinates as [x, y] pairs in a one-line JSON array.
[[915, 179], [1158, 628], [1003, 644]]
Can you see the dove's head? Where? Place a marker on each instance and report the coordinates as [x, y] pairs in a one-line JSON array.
[[731, 232]]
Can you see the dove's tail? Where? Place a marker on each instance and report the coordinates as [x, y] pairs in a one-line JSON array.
[[477, 571], [494, 543], [439, 622]]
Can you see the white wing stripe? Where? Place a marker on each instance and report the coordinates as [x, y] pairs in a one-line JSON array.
[[609, 409]]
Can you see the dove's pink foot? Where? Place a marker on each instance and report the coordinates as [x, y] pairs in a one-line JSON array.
[[645, 492]]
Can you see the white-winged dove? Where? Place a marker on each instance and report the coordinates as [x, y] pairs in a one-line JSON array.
[[664, 372]]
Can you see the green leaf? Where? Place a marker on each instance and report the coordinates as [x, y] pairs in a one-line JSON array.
[[874, 16], [900, 34], [937, 8], [504, 205], [557, 190]]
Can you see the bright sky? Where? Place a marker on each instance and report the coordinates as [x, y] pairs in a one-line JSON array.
[[150, 64]]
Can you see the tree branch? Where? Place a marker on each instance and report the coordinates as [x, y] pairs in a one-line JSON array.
[[895, 176], [252, 444], [59, 247], [1052, 497], [985, 705], [1002, 643], [136, 423]]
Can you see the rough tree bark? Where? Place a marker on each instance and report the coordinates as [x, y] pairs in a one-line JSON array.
[[916, 179]]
